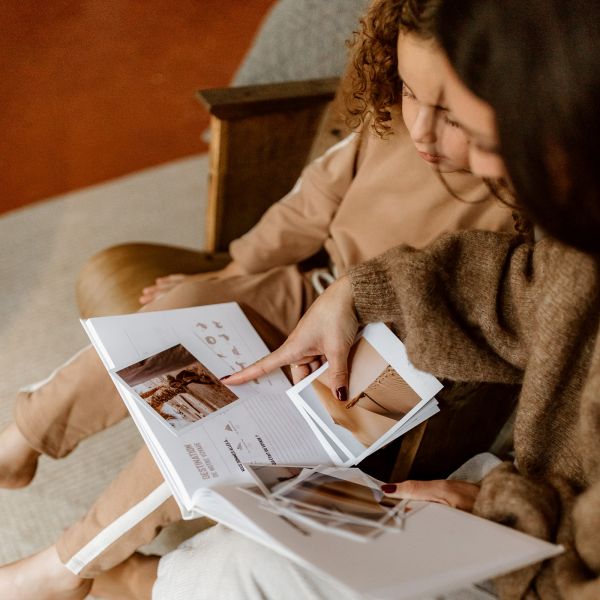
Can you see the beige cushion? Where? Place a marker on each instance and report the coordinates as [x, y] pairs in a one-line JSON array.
[[110, 283]]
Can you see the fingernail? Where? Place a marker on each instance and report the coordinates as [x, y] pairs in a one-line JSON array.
[[342, 394], [224, 378], [388, 488]]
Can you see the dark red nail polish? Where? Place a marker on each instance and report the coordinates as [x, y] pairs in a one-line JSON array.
[[342, 394], [388, 488], [224, 378]]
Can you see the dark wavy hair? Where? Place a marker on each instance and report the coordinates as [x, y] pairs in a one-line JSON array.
[[537, 63], [375, 85]]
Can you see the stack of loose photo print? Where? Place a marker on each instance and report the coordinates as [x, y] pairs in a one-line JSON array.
[[343, 501], [276, 462]]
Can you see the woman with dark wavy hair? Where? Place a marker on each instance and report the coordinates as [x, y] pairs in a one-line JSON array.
[[523, 80], [367, 194]]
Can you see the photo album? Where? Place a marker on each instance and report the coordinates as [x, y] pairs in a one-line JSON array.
[[275, 462], [167, 367]]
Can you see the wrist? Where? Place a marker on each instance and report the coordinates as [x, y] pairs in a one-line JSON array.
[[232, 269], [344, 291]]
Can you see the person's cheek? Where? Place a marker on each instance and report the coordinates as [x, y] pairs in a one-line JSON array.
[[408, 114], [454, 146], [461, 149], [484, 164]]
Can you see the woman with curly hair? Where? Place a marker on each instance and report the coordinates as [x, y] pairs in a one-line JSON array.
[[378, 188]]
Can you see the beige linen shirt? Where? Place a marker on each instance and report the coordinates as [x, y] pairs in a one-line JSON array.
[[362, 197]]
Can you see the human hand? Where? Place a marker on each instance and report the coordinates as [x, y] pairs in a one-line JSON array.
[[162, 285], [299, 372], [327, 331], [458, 494]]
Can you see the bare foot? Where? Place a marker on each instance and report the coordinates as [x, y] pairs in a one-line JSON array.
[[133, 579], [42, 577], [18, 460], [161, 286]]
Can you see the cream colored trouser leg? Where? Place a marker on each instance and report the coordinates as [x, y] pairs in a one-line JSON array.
[[220, 563], [80, 399]]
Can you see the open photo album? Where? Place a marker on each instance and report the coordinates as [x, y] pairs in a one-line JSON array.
[[167, 367], [336, 522], [274, 461]]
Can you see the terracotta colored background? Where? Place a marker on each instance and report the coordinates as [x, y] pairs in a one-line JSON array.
[[93, 89]]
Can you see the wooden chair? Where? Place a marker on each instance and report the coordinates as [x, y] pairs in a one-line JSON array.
[[261, 137]]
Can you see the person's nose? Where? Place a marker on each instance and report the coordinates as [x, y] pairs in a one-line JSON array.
[[423, 129]]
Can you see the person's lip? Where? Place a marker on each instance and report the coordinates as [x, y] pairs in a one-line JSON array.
[[430, 158]]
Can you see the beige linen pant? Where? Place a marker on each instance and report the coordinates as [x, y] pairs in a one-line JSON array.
[[79, 399]]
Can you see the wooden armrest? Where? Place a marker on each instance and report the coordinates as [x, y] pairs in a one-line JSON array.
[[111, 282], [261, 138], [248, 101]]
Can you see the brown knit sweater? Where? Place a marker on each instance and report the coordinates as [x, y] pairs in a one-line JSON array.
[[479, 306]]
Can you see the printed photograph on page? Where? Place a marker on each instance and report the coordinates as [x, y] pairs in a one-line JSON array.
[[177, 387], [378, 397]]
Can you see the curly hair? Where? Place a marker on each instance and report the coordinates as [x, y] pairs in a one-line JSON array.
[[375, 85]]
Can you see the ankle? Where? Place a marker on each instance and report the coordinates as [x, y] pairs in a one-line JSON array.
[[12, 435], [42, 576], [18, 460], [132, 579]]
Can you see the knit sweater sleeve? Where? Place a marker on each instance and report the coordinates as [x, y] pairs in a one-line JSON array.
[[463, 306]]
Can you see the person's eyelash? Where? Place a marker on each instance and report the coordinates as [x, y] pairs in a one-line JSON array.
[[451, 122], [406, 93]]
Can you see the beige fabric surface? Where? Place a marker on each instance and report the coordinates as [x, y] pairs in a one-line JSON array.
[[42, 248]]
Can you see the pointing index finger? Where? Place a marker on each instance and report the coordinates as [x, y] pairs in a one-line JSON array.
[[256, 370]]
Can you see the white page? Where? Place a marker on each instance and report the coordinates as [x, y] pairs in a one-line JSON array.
[[125, 339], [266, 430], [263, 429], [392, 351], [439, 550], [262, 426], [177, 486]]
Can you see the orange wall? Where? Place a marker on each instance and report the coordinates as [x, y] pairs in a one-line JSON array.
[[93, 89]]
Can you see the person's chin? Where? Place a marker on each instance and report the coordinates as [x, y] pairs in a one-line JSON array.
[[444, 166], [447, 168]]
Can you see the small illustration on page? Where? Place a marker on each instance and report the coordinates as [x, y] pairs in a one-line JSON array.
[[222, 339]]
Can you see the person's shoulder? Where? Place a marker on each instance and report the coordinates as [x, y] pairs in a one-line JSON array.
[[585, 265]]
